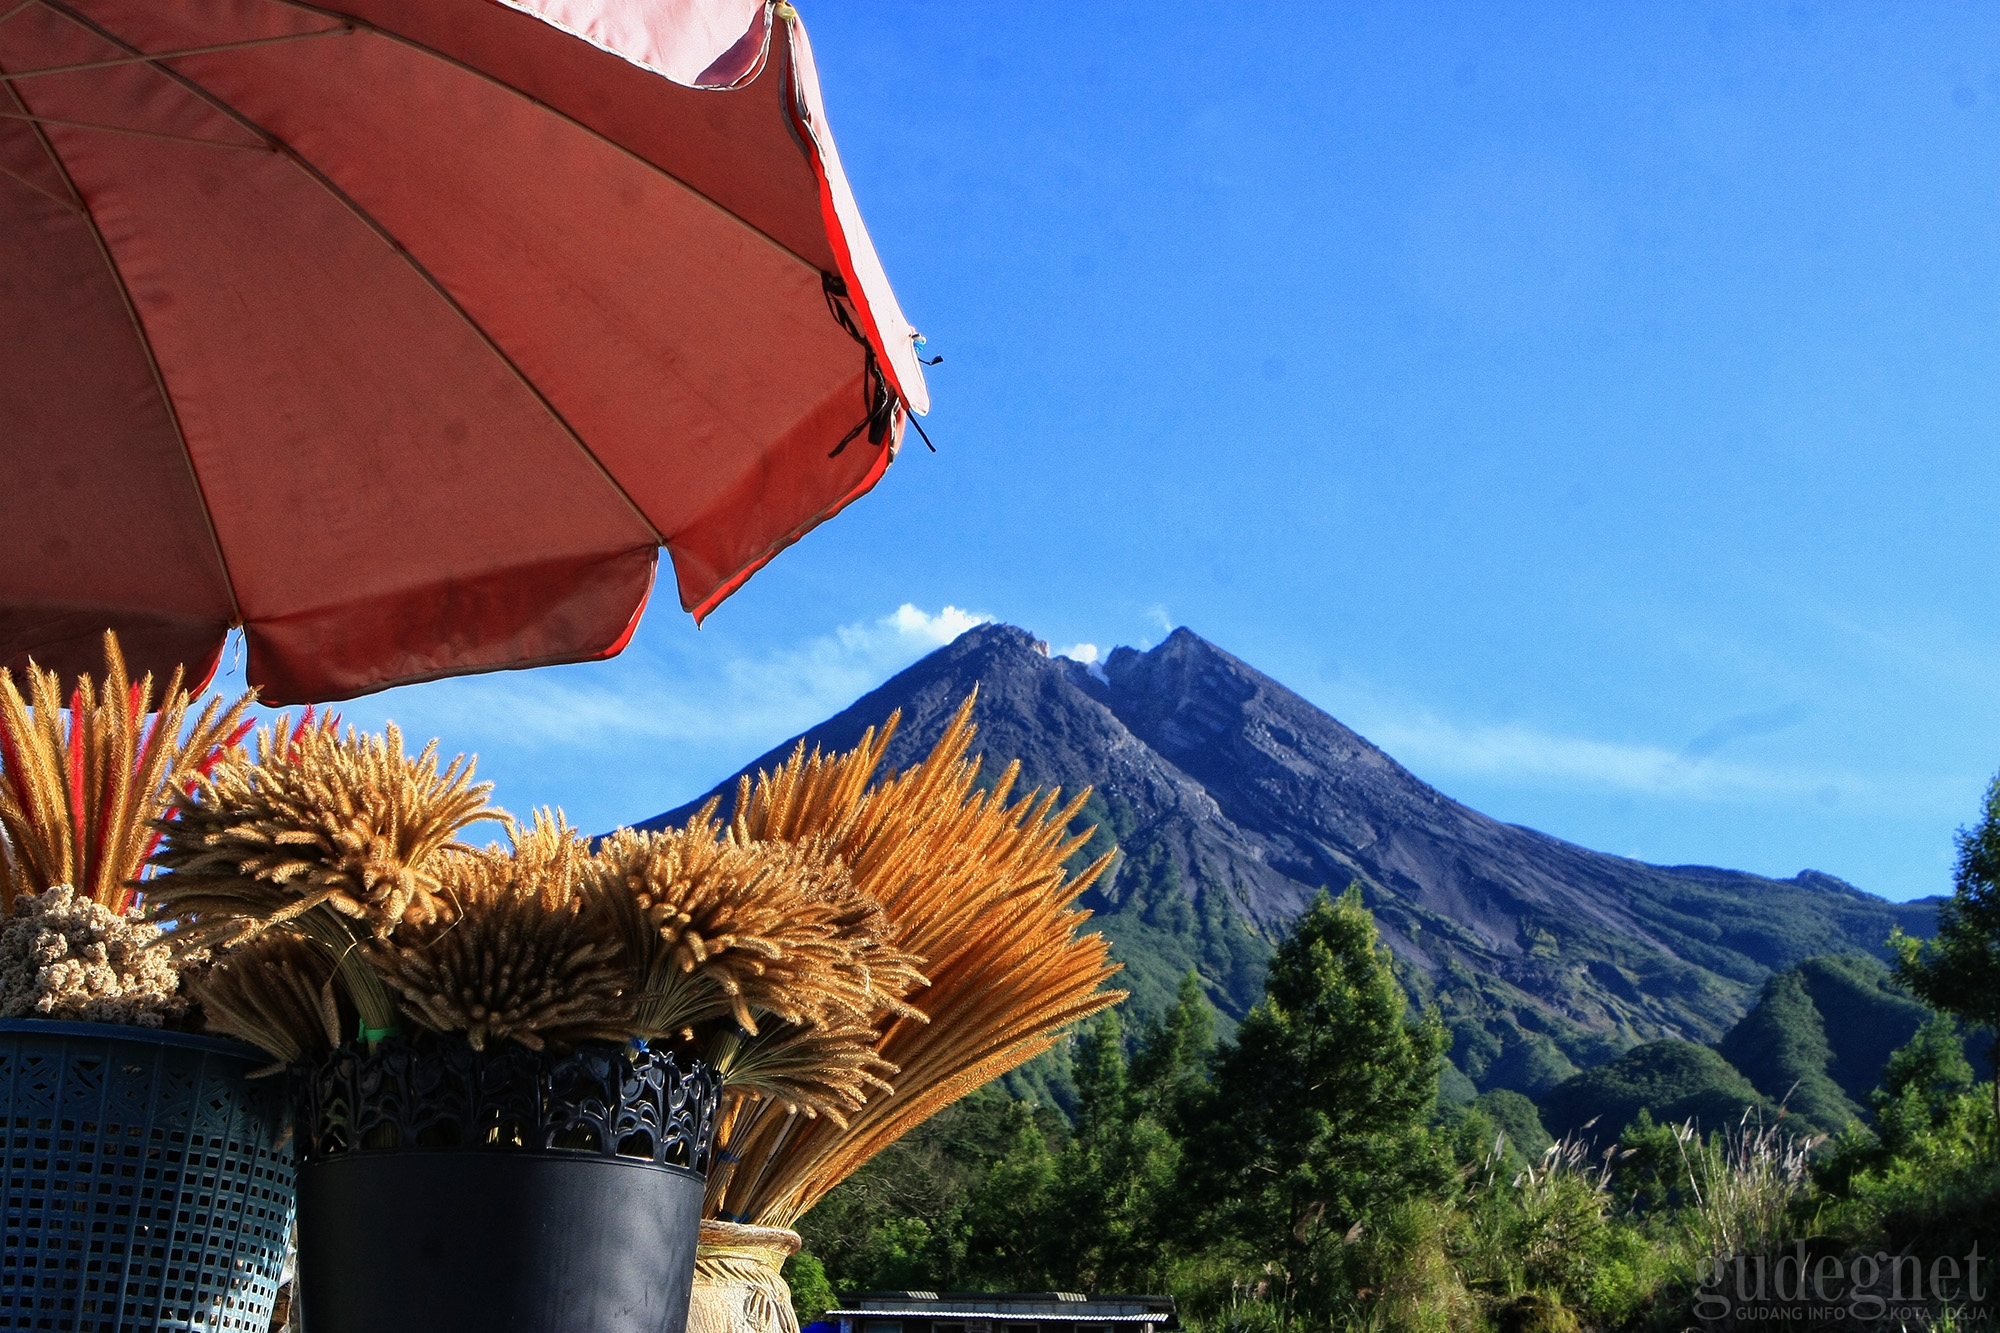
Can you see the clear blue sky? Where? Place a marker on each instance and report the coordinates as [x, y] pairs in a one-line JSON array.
[[1593, 405]]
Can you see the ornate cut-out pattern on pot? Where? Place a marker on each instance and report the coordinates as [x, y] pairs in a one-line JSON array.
[[614, 1101], [445, 1188]]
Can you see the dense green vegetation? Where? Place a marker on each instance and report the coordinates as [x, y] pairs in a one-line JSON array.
[[1162, 927], [1305, 1170], [1959, 970], [1819, 1035], [1675, 1080]]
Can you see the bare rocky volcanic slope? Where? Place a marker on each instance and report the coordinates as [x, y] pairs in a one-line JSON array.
[[1233, 800]]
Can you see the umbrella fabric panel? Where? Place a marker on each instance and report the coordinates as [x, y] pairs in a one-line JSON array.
[[733, 145], [740, 148], [529, 615], [579, 263], [700, 43], [574, 259], [717, 554], [84, 409], [455, 353]]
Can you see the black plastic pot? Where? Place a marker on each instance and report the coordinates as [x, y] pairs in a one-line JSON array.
[[441, 1241], [445, 1190], [146, 1181]]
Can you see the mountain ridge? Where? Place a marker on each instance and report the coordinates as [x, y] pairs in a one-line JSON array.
[[1233, 800]]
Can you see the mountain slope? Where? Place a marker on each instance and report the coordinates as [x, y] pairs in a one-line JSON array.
[[1233, 800], [1819, 1035]]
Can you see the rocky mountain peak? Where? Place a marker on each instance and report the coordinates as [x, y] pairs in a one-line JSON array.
[[1233, 800]]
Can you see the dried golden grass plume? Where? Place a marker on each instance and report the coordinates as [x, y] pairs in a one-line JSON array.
[[974, 884], [800, 948], [78, 803], [524, 955], [277, 993], [830, 1070], [348, 823], [748, 931]]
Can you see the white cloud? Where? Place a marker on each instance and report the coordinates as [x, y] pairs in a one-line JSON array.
[[918, 626], [668, 717], [743, 701], [1085, 653]]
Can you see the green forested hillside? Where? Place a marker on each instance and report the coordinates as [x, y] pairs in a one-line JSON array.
[[1675, 1080], [1818, 1036], [1516, 1117], [1813, 1045]]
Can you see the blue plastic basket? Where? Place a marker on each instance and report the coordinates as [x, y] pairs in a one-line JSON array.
[[147, 1182]]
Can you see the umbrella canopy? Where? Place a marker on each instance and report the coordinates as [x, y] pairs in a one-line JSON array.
[[404, 333]]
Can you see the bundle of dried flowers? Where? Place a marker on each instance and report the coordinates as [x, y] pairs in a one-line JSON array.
[[779, 927], [275, 992], [764, 957], [523, 955], [336, 838], [83, 782], [318, 820], [345, 850], [65, 956], [79, 802], [974, 885], [792, 948]]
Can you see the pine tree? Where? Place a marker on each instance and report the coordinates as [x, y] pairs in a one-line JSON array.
[[1115, 1177], [1317, 1122], [1101, 1080], [1958, 970], [1921, 1086], [1171, 1068], [1006, 1218]]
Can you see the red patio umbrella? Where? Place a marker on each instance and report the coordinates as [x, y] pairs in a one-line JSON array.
[[404, 333]]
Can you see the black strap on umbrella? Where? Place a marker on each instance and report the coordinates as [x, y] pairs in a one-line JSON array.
[[878, 399]]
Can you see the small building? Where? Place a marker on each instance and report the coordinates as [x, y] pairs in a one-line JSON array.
[[1001, 1312]]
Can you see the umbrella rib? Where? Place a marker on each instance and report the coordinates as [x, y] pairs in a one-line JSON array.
[[53, 198], [146, 348], [383, 234], [147, 57], [20, 104], [143, 134]]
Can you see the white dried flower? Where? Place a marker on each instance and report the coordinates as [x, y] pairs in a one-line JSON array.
[[64, 956]]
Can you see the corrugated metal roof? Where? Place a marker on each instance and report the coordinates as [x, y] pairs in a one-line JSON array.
[[945, 1309]]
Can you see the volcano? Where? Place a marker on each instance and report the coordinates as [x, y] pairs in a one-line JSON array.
[[1233, 800]]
